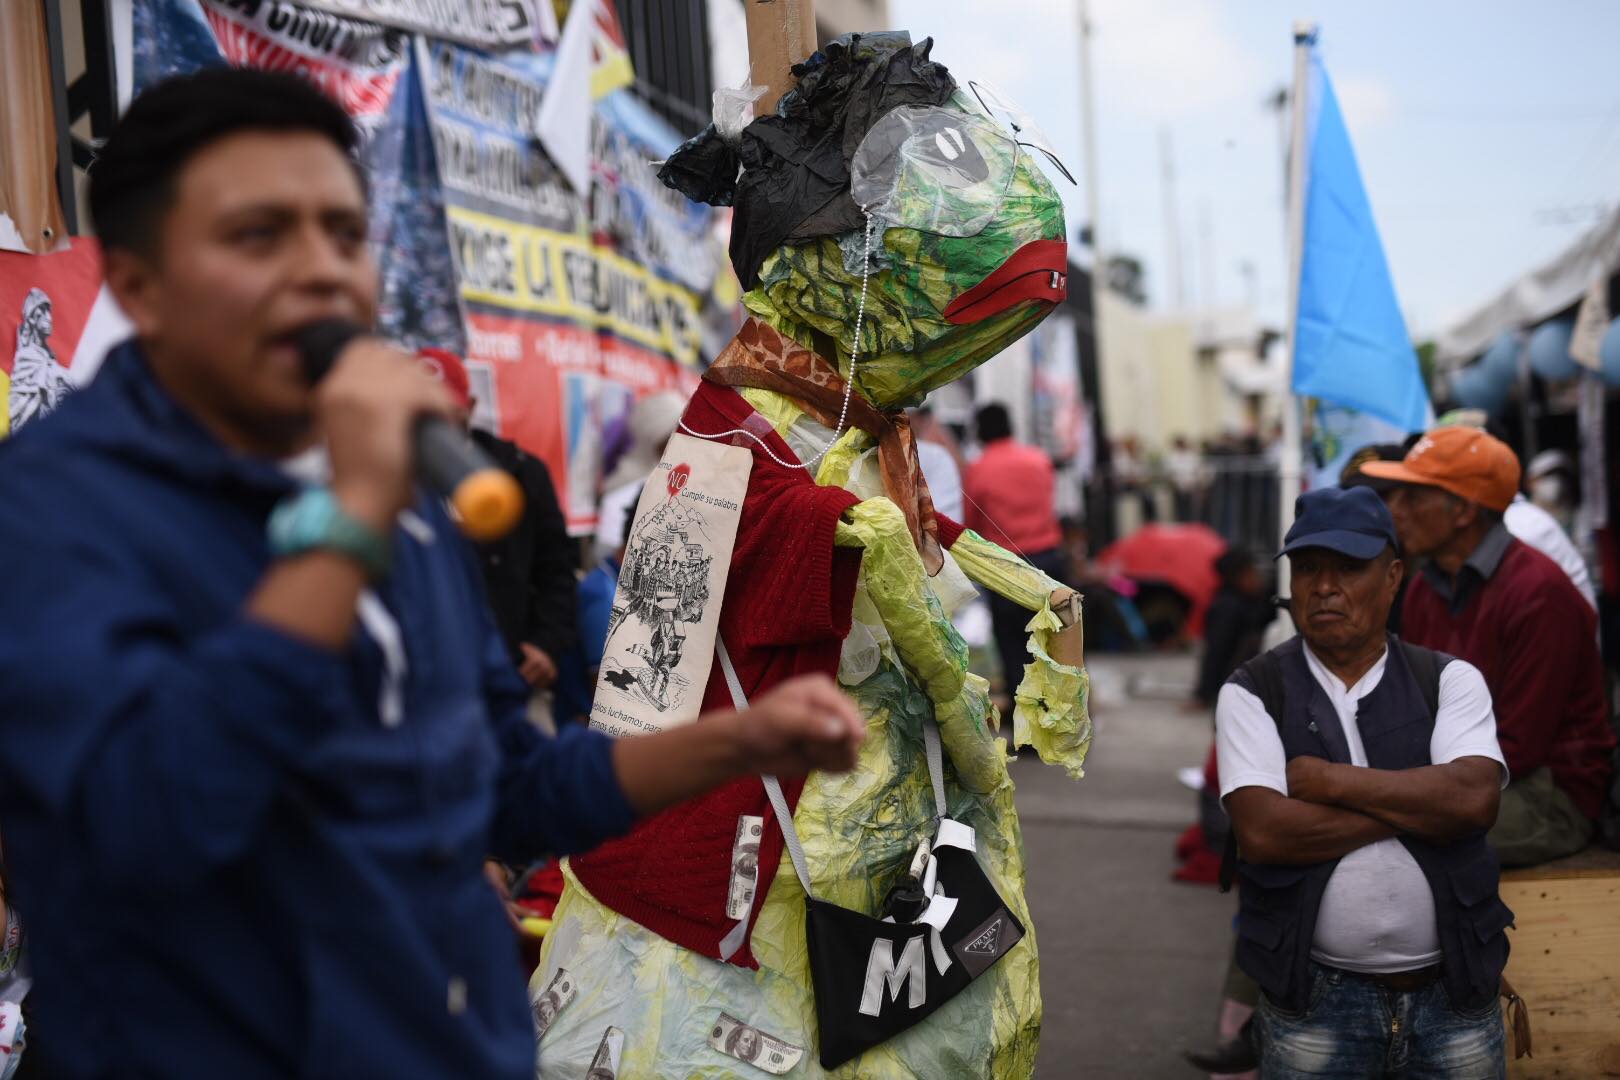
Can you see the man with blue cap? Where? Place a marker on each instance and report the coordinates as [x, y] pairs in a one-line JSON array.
[[1361, 774]]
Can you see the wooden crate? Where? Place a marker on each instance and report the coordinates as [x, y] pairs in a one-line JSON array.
[[1566, 964]]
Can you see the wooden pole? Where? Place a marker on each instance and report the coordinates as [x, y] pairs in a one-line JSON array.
[[780, 34]]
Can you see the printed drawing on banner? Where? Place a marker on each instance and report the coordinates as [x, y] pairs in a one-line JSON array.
[[56, 322], [661, 631], [667, 567], [39, 381]]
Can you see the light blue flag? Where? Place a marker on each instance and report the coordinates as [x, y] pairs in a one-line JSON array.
[[1352, 346]]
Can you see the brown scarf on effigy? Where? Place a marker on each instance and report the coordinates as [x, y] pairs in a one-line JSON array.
[[763, 359]]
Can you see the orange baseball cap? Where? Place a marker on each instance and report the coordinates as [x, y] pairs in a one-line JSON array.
[[1464, 461]]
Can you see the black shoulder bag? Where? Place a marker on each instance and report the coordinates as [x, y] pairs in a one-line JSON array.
[[943, 926]]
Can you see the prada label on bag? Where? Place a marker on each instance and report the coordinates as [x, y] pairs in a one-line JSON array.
[[988, 942]]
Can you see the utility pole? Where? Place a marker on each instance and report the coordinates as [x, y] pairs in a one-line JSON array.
[[1277, 102], [1088, 138], [1099, 257], [1175, 279], [1208, 285]]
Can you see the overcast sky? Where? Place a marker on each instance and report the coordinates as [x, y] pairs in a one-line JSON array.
[[1488, 131]]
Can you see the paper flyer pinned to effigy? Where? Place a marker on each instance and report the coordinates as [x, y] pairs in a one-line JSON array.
[[666, 613]]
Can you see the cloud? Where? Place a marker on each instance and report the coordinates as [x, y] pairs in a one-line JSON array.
[[1167, 59]]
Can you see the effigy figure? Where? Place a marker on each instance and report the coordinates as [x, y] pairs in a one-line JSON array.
[[893, 232]]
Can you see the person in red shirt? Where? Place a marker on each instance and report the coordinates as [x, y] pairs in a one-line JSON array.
[[1009, 495], [1511, 612]]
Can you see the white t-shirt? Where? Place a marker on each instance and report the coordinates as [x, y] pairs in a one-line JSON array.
[[1377, 914], [944, 478], [1533, 525]]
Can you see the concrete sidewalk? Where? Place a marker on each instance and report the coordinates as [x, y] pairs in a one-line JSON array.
[[1131, 962]]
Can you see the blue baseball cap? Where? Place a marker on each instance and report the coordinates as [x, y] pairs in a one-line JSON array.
[[1351, 521]]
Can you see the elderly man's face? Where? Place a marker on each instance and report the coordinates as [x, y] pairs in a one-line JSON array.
[[1426, 517], [1339, 602]]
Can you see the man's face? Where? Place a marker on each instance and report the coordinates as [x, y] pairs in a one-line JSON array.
[[266, 233], [1426, 517], [1339, 602]]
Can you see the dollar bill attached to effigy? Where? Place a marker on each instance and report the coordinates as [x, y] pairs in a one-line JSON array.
[[744, 866], [666, 611], [736, 1039], [553, 1000], [605, 1065]]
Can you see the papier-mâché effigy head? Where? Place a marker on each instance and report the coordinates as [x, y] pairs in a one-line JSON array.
[[966, 240]]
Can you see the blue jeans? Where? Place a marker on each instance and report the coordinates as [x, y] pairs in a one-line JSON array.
[[1352, 1029]]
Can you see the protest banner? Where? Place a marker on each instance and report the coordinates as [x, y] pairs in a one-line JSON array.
[[572, 309], [367, 68]]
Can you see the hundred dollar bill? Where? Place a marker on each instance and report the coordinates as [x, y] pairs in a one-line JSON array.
[[558, 993], [736, 1039], [744, 866], [605, 1065]]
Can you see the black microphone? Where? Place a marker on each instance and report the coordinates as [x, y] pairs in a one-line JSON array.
[[487, 499]]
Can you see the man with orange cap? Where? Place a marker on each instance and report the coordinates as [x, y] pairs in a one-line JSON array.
[[1511, 612]]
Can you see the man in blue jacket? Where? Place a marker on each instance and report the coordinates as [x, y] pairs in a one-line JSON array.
[[253, 762]]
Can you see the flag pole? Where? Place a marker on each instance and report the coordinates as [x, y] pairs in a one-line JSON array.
[[1288, 466]]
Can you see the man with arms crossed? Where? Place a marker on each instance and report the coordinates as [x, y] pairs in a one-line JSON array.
[[1361, 775], [254, 761]]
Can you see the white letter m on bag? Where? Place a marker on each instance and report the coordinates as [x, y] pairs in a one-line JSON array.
[[881, 969]]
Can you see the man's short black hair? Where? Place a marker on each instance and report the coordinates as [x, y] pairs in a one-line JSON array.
[[993, 422], [132, 178]]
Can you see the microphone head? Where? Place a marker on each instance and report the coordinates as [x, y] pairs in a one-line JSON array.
[[319, 343]]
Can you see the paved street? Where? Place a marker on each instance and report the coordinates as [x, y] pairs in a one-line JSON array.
[[1131, 962]]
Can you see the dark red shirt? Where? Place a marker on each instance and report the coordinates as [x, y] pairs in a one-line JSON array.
[[1534, 638]]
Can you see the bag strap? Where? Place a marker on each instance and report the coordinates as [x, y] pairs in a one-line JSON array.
[[773, 787], [1426, 668], [1265, 672]]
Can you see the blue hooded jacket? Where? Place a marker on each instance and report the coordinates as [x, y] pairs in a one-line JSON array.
[[226, 863]]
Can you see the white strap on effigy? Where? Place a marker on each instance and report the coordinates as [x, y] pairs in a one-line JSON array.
[[950, 832]]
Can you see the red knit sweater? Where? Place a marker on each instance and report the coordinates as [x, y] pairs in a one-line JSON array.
[[1534, 638], [786, 612]]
